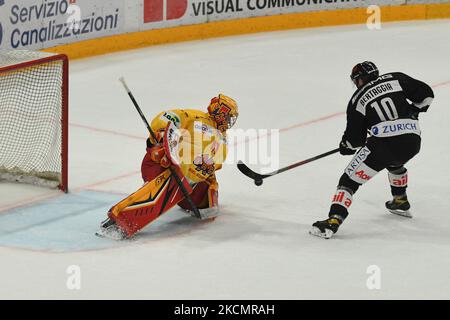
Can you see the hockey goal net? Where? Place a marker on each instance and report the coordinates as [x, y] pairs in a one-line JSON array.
[[34, 118]]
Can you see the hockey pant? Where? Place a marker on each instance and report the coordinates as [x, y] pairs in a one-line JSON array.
[[379, 153]]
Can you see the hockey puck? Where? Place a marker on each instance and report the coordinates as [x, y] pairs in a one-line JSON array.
[[258, 182]]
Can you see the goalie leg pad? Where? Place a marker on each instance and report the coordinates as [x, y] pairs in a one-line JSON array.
[[206, 197], [198, 196], [148, 203]]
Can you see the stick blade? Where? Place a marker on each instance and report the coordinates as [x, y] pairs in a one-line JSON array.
[[249, 172]]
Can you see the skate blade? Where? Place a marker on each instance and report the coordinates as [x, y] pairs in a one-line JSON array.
[[401, 213], [110, 233], [325, 235]]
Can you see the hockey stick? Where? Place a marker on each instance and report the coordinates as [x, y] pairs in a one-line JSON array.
[[258, 178], [172, 169]]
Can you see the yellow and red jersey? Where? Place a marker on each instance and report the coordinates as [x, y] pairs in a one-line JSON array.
[[182, 118], [204, 145]]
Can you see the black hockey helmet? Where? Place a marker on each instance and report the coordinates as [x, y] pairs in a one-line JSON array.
[[367, 71]]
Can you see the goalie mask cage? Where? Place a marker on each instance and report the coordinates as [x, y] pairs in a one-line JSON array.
[[34, 118]]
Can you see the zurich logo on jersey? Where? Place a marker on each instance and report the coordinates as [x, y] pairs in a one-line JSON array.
[[375, 131], [2, 2]]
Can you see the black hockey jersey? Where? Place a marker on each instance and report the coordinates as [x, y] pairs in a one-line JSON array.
[[388, 99]]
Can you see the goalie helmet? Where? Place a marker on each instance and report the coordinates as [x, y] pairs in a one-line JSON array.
[[224, 112], [366, 71]]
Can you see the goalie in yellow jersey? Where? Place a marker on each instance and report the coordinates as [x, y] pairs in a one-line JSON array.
[[193, 143]]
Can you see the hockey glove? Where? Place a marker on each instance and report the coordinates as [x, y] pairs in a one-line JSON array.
[[158, 155], [414, 113], [159, 137], [345, 148]]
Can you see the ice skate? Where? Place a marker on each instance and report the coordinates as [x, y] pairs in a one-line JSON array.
[[326, 228], [399, 206], [109, 229]]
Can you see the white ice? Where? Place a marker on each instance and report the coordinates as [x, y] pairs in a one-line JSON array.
[[260, 247]]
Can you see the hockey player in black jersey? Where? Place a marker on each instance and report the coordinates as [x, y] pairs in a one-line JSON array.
[[383, 130]]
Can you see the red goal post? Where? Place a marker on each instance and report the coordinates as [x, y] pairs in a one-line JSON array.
[[34, 111]]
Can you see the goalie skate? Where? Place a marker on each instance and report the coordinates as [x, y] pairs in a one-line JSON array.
[[109, 229]]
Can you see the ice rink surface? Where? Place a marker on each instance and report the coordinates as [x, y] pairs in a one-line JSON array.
[[296, 81]]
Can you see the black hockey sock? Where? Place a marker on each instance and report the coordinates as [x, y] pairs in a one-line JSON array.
[[338, 210]]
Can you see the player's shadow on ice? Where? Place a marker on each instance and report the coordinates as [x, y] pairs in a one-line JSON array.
[[167, 229], [173, 224], [176, 224], [387, 226]]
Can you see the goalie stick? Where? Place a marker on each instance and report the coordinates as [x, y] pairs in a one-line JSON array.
[[172, 169], [258, 178]]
